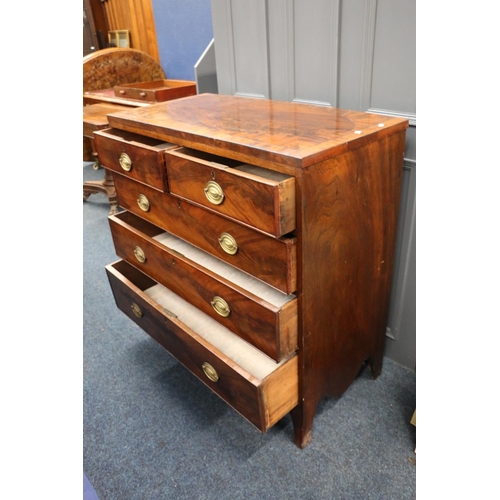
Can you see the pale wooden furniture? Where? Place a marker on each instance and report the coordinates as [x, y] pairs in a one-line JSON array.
[[257, 243]]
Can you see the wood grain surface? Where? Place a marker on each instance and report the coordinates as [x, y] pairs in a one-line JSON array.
[[266, 204], [269, 259], [347, 167], [109, 67], [253, 398], [240, 127], [271, 329]]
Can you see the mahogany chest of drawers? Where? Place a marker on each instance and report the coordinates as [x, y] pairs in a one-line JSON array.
[[257, 243]]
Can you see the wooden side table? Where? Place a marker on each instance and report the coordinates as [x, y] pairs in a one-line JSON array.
[[95, 117]]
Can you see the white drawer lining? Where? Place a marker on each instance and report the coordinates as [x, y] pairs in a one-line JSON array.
[[263, 172], [235, 348], [253, 285]]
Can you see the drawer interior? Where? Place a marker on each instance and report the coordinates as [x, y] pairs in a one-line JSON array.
[[208, 157], [223, 340], [240, 352], [259, 389], [243, 280], [230, 273], [234, 164], [136, 139]]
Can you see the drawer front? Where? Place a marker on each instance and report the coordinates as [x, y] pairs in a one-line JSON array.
[[140, 94], [271, 260], [262, 401], [261, 198], [157, 90], [135, 156], [271, 329]]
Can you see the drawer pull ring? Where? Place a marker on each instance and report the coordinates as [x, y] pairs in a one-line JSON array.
[[228, 243], [125, 162], [136, 310], [143, 203], [210, 372], [214, 193], [220, 306], [140, 255]]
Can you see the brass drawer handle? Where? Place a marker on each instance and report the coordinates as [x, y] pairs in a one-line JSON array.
[[210, 372], [221, 306], [140, 255], [136, 310], [214, 193], [143, 94], [143, 203], [228, 243], [125, 162]]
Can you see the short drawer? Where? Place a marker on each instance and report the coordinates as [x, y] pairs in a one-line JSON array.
[[156, 90], [262, 198], [253, 310], [138, 157], [271, 260], [255, 386]]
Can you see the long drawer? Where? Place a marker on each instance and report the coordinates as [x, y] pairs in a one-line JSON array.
[[138, 157], [253, 310], [255, 386], [269, 259], [256, 196]]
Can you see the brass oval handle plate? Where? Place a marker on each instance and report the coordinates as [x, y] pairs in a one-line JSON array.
[[228, 243], [143, 203], [140, 255], [220, 306], [136, 310], [210, 372], [214, 193], [125, 162]]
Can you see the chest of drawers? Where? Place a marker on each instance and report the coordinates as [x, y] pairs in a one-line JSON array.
[[257, 243]]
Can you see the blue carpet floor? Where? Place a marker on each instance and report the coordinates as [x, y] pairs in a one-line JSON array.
[[152, 431]]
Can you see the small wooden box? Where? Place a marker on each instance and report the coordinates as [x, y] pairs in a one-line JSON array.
[[157, 90]]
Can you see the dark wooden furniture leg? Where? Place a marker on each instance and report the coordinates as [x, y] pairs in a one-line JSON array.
[[302, 419]]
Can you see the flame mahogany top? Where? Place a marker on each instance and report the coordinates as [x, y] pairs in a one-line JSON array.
[[284, 132]]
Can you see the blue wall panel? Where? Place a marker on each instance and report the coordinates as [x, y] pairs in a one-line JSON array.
[[183, 30]]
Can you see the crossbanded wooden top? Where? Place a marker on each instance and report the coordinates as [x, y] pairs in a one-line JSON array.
[[290, 133]]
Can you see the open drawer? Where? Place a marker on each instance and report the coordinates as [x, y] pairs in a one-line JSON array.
[[132, 155], [256, 196], [271, 260], [248, 307], [254, 385]]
